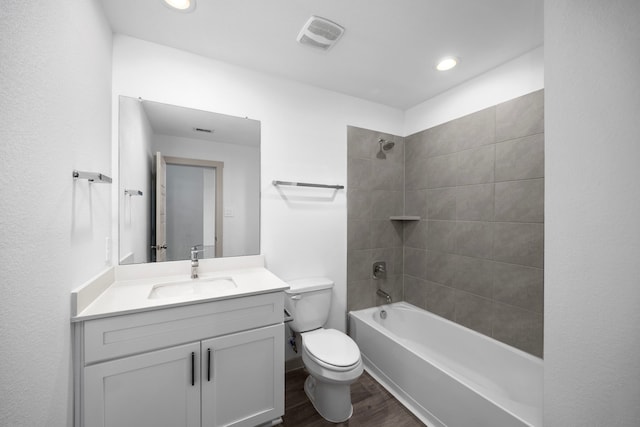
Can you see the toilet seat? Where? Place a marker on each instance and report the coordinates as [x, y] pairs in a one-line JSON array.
[[331, 349]]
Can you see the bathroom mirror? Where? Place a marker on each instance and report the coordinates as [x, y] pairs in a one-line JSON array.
[[187, 178]]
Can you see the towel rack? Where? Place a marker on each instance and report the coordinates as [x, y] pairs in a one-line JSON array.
[[133, 192], [306, 184], [92, 177]]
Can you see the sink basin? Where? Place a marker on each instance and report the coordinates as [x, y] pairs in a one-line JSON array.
[[193, 287]]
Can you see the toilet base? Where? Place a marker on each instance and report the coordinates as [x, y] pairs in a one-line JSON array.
[[332, 401]]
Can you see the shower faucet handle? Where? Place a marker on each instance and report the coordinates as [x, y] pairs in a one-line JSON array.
[[379, 270]]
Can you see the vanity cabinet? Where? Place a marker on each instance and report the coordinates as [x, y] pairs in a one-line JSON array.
[[241, 375], [209, 364], [151, 389]]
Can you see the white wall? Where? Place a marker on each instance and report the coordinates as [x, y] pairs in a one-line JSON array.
[[241, 232], [135, 139], [515, 78], [592, 266], [303, 138], [55, 89]]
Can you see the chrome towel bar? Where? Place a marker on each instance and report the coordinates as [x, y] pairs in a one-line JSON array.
[[92, 177], [287, 316], [306, 184]]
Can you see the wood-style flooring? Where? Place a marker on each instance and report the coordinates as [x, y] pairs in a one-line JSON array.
[[373, 406]]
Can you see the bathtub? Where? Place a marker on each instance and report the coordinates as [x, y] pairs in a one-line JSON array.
[[446, 374]]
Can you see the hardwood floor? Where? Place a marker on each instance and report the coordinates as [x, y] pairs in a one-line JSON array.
[[373, 406]]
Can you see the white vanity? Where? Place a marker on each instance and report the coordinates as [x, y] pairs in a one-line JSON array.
[[153, 347]]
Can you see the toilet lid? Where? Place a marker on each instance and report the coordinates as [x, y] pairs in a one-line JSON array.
[[332, 347]]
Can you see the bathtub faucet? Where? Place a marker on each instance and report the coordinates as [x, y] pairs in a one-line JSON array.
[[384, 295]]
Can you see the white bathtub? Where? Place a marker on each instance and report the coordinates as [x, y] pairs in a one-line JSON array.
[[446, 374]]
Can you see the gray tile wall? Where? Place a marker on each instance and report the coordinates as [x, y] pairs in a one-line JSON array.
[[476, 257], [375, 191]]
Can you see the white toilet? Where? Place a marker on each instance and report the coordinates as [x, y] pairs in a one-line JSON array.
[[330, 356]]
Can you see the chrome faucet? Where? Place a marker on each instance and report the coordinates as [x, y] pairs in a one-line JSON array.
[[194, 261], [384, 295], [379, 270]]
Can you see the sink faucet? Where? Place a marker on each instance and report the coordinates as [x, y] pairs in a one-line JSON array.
[[194, 261]]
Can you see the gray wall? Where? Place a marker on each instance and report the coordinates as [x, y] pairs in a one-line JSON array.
[[476, 256], [375, 190]]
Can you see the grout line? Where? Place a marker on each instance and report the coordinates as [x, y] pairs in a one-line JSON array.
[[495, 160], [490, 299], [520, 137], [467, 256], [448, 187], [483, 221], [517, 180]]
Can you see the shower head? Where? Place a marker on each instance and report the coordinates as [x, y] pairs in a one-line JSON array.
[[384, 146]]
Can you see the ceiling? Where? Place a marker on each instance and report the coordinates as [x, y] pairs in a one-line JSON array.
[[181, 122], [387, 53]]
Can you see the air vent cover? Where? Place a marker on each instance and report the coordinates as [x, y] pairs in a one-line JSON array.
[[320, 33]]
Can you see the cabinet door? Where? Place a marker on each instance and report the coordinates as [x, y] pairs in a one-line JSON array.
[[243, 378], [151, 389]]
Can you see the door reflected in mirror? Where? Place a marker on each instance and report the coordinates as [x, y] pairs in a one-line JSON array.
[[198, 173]]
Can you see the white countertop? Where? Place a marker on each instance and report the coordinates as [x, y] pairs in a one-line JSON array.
[[129, 293]]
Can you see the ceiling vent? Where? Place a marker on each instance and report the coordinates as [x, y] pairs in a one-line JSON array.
[[320, 33]]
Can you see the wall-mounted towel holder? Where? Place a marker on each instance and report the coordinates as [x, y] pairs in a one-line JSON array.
[[92, 177], [306, 184]]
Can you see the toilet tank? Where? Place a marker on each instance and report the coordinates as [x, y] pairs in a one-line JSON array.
[[308, 301]]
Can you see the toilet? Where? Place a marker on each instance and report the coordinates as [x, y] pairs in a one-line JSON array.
[[331, 357]]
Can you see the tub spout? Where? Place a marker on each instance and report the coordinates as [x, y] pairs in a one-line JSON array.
[[384, 295]]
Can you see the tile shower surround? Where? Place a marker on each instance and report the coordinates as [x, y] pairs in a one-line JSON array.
[[476, 256], [375, 192]]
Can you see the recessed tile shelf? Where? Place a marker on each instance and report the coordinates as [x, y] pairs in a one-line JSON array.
[[404, 218]]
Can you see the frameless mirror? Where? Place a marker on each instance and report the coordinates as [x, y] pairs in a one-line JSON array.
[[187, 178]]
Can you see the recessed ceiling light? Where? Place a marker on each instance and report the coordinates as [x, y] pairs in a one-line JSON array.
[[447, 63], [181, 5]]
